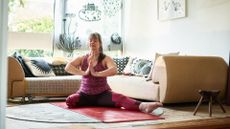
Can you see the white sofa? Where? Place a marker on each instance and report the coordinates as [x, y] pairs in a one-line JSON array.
[[21, 86], [175, 79]]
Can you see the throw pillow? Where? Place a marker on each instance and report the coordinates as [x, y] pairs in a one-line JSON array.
[[59, 70], [159, 64], [59, 61], [140, 66], [159, 55], [21, 60], [145, 70], [127, 69], [39, 68], [121, 62], [167, 54]]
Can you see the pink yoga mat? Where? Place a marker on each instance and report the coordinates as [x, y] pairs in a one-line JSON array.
[[108, 114]]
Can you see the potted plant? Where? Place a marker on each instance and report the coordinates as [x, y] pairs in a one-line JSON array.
[[68, 42]]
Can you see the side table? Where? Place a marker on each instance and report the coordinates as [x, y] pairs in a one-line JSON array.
[[210, 96]]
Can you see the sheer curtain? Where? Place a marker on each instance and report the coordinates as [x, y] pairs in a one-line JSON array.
[[3, 57], [59, 6]]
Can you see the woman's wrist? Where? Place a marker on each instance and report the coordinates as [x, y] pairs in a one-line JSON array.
[[96, 74]]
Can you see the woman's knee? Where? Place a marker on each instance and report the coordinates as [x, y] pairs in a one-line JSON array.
[[71, 100]]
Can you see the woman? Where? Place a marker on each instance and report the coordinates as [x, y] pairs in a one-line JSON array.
[[94, 90]]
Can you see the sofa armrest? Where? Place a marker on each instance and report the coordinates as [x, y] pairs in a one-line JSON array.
[[15, 74], [180, 77]]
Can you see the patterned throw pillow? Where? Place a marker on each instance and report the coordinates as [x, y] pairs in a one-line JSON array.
[[20, 59], [145, 70], [121, 63], [39, 68], [141, 67], [59, 70]]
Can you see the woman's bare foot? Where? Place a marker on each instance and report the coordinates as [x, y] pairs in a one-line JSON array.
[[149, 107]]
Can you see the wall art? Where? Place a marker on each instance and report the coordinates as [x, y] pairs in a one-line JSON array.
[[171, 9]]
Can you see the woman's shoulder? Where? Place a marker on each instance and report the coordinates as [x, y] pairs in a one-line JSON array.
[[108, 58], [78, 58]]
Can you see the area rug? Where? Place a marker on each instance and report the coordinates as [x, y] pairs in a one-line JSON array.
[[45, 112], [49, 113], [108, 114], [58, 113]]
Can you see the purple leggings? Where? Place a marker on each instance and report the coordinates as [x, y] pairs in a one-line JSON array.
[[107, 99]]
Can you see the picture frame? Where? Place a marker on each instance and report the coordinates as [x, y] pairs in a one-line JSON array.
[[171, 9]]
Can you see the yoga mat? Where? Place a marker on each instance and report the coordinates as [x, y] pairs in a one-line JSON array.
[[109, 114]]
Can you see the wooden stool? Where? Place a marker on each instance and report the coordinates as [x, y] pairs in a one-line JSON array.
[[209, 95]]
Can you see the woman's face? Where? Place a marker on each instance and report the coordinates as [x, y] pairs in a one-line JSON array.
[[94, 44]]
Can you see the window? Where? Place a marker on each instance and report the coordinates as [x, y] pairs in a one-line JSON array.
[[35, 26], [31, 16], [30, 26], [82, 17]]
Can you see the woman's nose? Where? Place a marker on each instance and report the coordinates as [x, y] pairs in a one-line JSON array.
[[92, 43]]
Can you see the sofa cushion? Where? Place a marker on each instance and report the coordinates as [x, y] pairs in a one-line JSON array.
[[134, 86], [58, 61], [159, 55], [166, 54], [157, 70], [52, 86], [59, 70], [141, 67], [127, 69], [39, 68], [26, 69], [121, 62]]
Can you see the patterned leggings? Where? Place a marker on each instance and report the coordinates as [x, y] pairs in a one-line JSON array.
[[107, 99]]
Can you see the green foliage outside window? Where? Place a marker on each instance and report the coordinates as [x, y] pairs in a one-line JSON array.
[[44, 24], [32, 53]]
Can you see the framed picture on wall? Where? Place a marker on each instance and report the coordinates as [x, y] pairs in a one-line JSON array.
[[171, 9]]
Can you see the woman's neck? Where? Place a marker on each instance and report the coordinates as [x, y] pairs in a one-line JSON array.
[[95, 54]]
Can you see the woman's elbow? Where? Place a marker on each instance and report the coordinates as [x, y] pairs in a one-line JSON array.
[[67, 68], [114, 70]]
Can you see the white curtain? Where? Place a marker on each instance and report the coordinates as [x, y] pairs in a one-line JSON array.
[[3, 57], [59, 10]]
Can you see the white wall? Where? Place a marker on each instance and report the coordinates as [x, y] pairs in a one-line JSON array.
[[23, 40], [204, 31]]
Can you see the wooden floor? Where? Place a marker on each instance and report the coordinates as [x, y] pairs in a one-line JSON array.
[[220, 123]]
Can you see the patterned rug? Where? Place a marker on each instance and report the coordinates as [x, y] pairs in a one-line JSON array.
[[46, 112], [52, 114]]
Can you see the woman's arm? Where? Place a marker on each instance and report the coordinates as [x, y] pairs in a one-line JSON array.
[[110, 64], [73, 67]]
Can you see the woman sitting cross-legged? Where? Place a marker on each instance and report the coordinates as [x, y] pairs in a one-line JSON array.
[[94, 90]]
